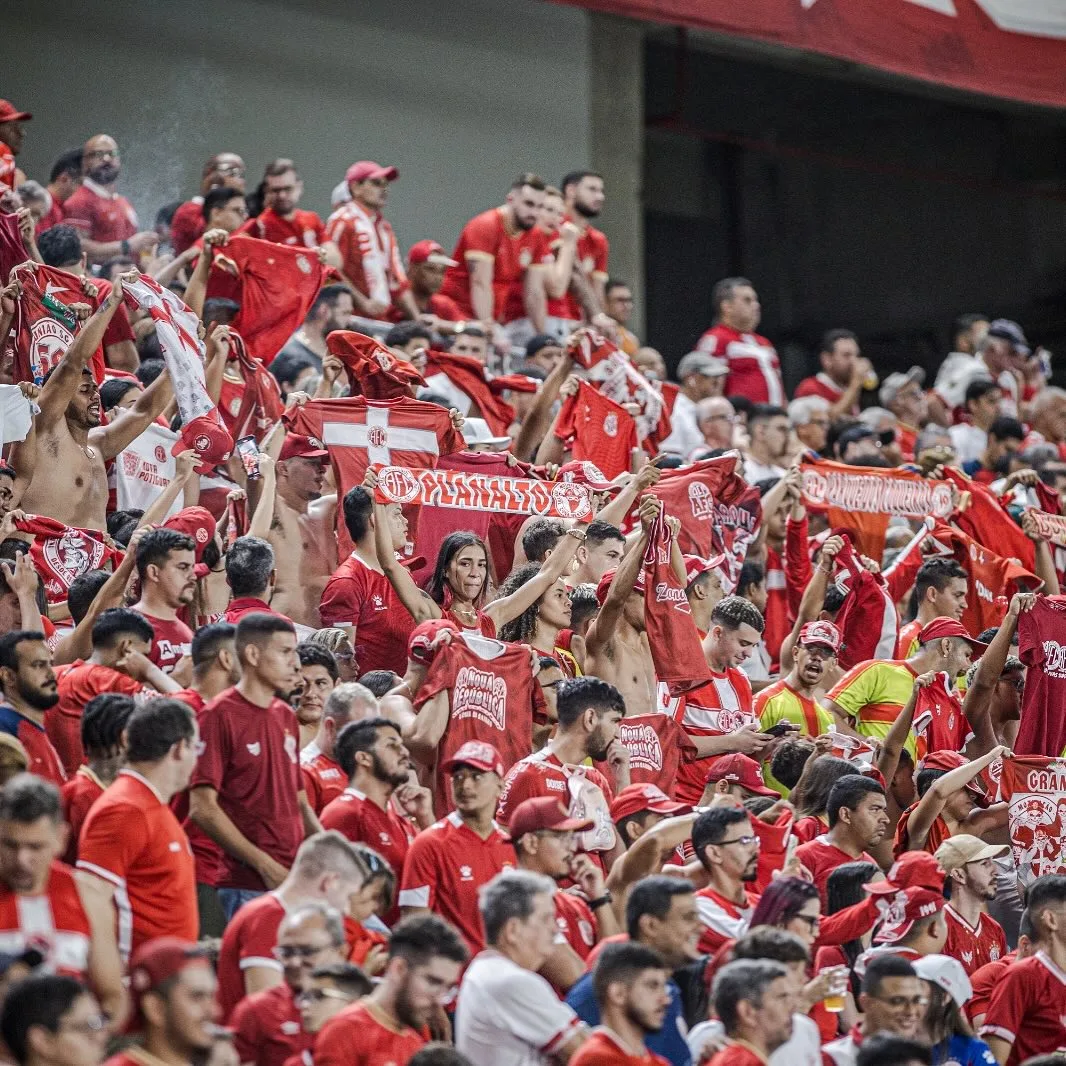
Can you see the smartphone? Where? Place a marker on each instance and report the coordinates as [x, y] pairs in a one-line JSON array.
[[248, 450], [781, 729]]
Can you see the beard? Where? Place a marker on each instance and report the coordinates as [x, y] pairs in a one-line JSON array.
[[405, 1013], [104, 173], [642, 1020], [37, 698], [381, 773], [585, 211], [597, 745]]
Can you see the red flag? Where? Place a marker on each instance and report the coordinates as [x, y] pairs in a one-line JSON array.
[[597, 428], [988, 523], [277, 286], [45, 326], [675, 645], [359, 432], [261, 403], [372, 369], [467, 374], [1035, 791], [12, 250], [587, 347], [867, 619], [62, 553]]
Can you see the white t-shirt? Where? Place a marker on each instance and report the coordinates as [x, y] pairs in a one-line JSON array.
[[508, 1016], [685, 436], [968, 441], [803, 1047], [754, 471]]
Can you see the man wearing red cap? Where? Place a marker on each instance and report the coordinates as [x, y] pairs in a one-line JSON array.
[[11, 134], [792, 699], [447, 863], [738, 776], [174, 997], [369, 252], [542, 833], [638, 808], [426, 264], [975, 938], [951, 801]]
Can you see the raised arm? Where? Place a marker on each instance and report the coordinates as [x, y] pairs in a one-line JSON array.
[[184, 471], [263, 516], [1044, 565], [900, 731], [481, 297], [536, 296], [119, 434], [196, 290], [615, 511], [557, 276], [538, 421]]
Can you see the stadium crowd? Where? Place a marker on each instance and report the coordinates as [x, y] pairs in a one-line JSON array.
[[399, 667]]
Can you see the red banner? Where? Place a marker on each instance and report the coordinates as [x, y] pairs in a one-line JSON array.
[[483, 492], [1035, 791], [1008, 48]]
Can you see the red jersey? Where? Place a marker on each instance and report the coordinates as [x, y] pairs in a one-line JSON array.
[[54, 923], [132, 840], [363, 1035], [591, 260], [583, 790], [939, 722], [576, 922], [53, 218], [370, 253], [99, 214], [938, 833], [722, 706], [736, 1054], [597, 429], [1043, 726], [361, 819], [363, 598], [187, 224], [267, 1028], [722, 919], [79, 794], [249, 940], [488, 237], [77, 684], [250, 757], [605, 1048], [821, 856], [985, 982], [446, 865], [656, 744], [974, 946], [323, 778], [822, 385], [243, 605], [754, 369], [806, 829], [1027, 1009], [303, 228], [172, 641], [44, 759]]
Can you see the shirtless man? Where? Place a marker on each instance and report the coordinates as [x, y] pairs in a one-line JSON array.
[[616, 647], [305, 558], [69, 480]]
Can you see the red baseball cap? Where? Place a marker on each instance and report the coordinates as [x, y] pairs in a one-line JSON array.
[[948, 627], [423, 644], [10, 113], [696, 566], [901, 911], [742, 770], [544, 812], [198, 523], [821, 632], [952, 760], [582, 472], [605, 584], [479, 755], [296, 446], [913, 869], [429, 252], [157, 961], [636, 798], [366, 169]]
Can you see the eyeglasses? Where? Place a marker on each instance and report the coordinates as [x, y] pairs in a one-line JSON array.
[[103, 153], [900, 1002], [95, 1024], [287, 953], [230, 169], [747, 841], [317, 995], [812, 920]]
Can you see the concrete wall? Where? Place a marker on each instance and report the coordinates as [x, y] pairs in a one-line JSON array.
[[460, 96]]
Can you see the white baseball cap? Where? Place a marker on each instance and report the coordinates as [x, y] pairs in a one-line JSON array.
[[948, 973]]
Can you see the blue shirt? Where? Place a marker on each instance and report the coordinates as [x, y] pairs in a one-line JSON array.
[[668, 1041], [965, 1051]]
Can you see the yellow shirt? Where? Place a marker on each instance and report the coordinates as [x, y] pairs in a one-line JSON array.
[[872, 694]]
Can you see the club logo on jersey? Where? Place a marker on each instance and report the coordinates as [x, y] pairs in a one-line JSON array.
[[130, 463], [643, 745], [525, 257], [466, 873], [1054, 659], [700, 500], [71, 555], [49, 339], [376, 436], [235, 406], [384, 838], [254, 749], [610, 425], [160, 454], [571, 500], [398, 482], [291, 749], [481, 695], [302, 264], [384, 360], [585, 929]]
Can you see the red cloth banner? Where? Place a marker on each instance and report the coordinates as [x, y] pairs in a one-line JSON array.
[[1051, 527], [1008, 48], [1035, 791], [482, 492]]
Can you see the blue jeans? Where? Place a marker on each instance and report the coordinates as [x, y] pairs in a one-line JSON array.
[[232, 899]]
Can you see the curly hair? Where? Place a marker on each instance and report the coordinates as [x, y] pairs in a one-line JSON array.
[[735, 611], [520, 630]]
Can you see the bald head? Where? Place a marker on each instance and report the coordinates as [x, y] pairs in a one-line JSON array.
[[100, 159], [223, 171], [714, 416]]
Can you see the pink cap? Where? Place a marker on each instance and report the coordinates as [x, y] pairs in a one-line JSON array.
[[479, 755], [429, 252], [366, 169], [948, 627], [820, 632]]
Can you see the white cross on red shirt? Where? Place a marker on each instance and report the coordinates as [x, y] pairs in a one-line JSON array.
[[378, 437]]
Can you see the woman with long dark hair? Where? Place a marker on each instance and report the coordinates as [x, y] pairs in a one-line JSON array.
[[541, 622], [811, 794], [792, 904], [948, 1032]]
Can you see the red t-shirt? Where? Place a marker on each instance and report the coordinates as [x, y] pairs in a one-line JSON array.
[[361, 1035], [722, 919], [806, 829], [363, 598], [132, 840], [446, 865], [44, 759], [249, 940], [79, 794], [250, 756], [487, 237], [54, 923], [493, 699], [596, 428], [821, 385], [985, 981], [939, 722], [99, 215], [78, 683], [172, 641], [187, 224], [938, 833], [736, 1055], [1027, 1009], [243, 605], [361, 819], [303, 228], [591, 260], [604, 1048], [1043, 726], [822, 857], [754, 369], [656, 744], [324, 780], [267, 1028], [576, 922], [973, 946], [53, 218]]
